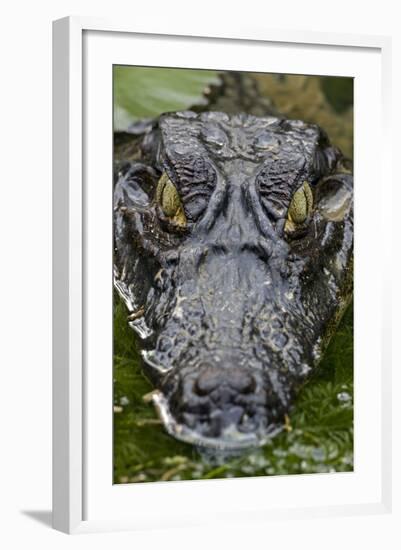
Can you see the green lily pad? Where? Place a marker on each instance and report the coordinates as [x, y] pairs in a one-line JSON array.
[[146, 92]]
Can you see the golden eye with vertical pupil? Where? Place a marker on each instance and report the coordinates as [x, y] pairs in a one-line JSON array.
[[169, 200], [300, 207]]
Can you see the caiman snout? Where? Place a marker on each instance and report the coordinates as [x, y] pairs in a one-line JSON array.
[[227, 390], [215, 405]]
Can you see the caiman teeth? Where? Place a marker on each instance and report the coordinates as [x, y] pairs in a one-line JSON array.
[[148, 397], [136, 314], [148, 357]]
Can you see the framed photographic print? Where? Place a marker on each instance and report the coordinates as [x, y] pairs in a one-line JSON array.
[[219, 337]]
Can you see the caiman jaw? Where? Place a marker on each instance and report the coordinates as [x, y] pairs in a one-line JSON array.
[[229, 439]]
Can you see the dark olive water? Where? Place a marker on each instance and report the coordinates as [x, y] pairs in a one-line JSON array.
[[319, 437]]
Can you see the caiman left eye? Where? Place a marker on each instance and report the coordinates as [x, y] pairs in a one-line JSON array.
[[169, 200], [300, 208]]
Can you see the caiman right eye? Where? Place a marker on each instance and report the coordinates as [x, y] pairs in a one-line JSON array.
[[169, 200], [300, 208]]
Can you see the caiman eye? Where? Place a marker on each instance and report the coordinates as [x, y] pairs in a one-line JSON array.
[[300, 207], [169, 200]]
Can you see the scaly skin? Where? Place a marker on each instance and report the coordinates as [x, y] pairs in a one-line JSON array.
[[234, 300]]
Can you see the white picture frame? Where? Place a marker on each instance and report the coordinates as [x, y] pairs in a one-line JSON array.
[[84, 499]]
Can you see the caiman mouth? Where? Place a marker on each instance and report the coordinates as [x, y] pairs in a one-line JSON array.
[[230, 438]]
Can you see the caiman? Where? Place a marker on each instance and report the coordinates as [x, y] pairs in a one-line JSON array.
[[233, 232]]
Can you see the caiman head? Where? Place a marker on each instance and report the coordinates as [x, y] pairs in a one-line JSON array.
[[233, 251]]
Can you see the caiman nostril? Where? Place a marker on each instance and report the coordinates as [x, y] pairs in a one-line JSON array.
[[211, 378], [241, 381], [208, 380]]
